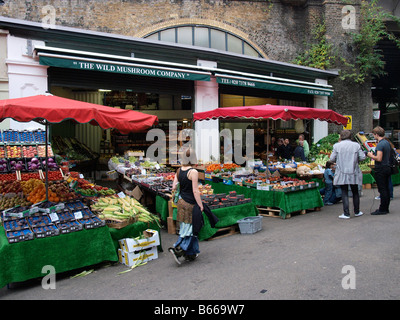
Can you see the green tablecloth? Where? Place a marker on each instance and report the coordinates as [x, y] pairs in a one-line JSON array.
[[227, 217], [287, 201], [396, 179], [24, 260], [368, 178], [162, 207]]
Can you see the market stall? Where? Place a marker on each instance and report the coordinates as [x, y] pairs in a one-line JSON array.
[[48, 217], [270, 190]]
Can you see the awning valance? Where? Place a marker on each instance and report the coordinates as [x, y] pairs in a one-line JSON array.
[[83, 63], [266, 84]]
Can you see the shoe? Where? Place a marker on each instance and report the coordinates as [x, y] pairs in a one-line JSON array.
[[358, 214], [377, 198], [343, 216], [191, 257], [175, 255], [329, 204], [377, 212]]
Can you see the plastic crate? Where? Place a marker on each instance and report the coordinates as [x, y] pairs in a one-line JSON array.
[[250, 225]]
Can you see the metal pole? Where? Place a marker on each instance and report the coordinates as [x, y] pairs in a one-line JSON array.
[[46, 124]]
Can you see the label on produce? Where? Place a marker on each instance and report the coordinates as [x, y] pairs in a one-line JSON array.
[[53, 217], [81, 175], [78, 215], [121, 195]]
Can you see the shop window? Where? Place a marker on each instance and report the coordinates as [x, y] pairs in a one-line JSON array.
[[234, 44], [131, 100], [185, 35], [168, 35], [218, 40]]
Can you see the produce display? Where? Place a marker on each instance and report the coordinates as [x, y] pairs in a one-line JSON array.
[[72, 149], [114, 208], [50, 221], [222, 200]]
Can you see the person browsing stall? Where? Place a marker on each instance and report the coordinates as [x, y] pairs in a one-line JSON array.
[[382, 169], [187, 245], [347, 154]]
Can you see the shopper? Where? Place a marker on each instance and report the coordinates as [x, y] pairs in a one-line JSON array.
[[347, 154], [285, 150], [306, 146], [187, 245], [329, 191], [299, 151], [382, 169]]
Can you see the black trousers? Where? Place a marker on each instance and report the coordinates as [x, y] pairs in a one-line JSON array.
[[345, 198], [382, 176]]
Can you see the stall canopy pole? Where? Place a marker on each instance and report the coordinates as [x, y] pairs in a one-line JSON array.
[[46, 125]]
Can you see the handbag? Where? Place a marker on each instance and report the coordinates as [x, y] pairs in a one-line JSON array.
[[394, 162], [176, 193]]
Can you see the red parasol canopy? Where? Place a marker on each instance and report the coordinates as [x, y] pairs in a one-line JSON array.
[[271, 112], [56, 109]]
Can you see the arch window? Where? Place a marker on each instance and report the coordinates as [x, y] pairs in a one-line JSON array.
[[204, 36]]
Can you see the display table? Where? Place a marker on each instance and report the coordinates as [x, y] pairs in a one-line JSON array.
[[287, 202], [24, 260]]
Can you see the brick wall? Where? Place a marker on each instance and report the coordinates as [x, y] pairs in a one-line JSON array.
[[277, 28]]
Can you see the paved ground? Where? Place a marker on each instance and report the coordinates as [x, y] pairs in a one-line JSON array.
[[299, 258]]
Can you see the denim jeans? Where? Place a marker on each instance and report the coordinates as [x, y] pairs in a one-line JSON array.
[[345, 198], [382, 177]]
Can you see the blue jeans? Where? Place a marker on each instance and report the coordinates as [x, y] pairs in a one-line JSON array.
[[189, 244]]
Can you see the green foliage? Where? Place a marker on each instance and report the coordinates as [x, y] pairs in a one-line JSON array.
[[368, 60], [318, 54]]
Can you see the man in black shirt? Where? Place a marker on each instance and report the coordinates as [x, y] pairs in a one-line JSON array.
[[382, 169], [285, 150]]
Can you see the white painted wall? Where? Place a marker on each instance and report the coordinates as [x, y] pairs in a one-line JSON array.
[[320, 127], [206, 131], [25, 75]]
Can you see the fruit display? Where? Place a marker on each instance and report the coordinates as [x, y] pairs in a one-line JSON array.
[[11, 202], [29, 151], [41, 149], [2, 152], [13, 151], [10, 136], [224, 167], [26, 136], [62, 191]]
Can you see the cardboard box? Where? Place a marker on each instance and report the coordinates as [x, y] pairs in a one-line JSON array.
[[131, 258], [152, 239]]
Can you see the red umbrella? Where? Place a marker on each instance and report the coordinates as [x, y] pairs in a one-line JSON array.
[[271, 112], [55, 109]]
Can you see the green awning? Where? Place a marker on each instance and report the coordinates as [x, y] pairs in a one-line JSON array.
[[81, 63], [286, 86]]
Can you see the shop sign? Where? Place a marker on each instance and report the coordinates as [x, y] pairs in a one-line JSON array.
[[123, 69], [271, 85], [349, 125]]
